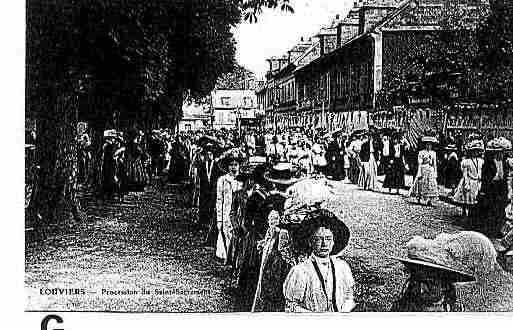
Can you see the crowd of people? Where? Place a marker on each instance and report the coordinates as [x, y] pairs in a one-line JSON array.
[[259, 200]]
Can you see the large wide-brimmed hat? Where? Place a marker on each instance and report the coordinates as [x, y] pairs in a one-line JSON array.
[[451, 147], [207, 141], [253, 171], [110, 133], [429, 139], [229, 156], [321, 218], [439, 257], [498, 144], [284, 174], [475, 145]]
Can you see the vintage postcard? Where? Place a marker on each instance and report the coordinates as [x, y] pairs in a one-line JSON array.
[[290, 156]]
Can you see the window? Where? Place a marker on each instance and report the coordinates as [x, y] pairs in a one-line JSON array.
[[225, 100], [248, 102]]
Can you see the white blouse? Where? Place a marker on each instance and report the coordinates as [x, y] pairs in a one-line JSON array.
[[304, 293]]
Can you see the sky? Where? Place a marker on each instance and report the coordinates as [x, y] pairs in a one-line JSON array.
[[276, 32]]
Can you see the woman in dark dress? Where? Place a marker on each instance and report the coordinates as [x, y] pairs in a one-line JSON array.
[[254, 227], [451, 168], [137, 176], [395, 166], [108, 169], [493, 197]]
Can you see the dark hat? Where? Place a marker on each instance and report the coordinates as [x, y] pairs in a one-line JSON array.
[[229, 156], [209, 147], [253, 171], [284, 174], [321, 218]]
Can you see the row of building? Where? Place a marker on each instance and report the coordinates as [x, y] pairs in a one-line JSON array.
[[228, 109], [351, 74]]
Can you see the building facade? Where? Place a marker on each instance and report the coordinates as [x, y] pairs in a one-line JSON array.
[[195, 117], [233, 109], [353, 84]]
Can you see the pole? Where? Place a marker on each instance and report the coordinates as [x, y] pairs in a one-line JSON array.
[[323, 119]]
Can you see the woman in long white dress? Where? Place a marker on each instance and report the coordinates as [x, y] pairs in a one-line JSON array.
[[319, 157], [227, 185], [468, 188], [425, 186]]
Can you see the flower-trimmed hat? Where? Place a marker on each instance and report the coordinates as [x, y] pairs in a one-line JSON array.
[[321, 218], [429, 139], [498, 144], [446, 256], [284, 174], [451, 147], [234, 154], [475, 145]]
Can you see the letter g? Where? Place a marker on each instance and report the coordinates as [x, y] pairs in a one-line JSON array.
[[44, 323]]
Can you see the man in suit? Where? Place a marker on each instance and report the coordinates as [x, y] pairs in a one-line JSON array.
[[332, 158], [208, 173]]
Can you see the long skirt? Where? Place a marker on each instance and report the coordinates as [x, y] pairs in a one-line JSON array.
[[247, 268], [273, 271], [368, 178], [224, 241], [491, 208], [136, 175], [466, 193], [354, 170], [425, 185], [394, 174]]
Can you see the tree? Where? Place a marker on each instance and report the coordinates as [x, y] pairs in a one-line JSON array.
[[495, 56], [91, 59], [439, 64], [238, 78]]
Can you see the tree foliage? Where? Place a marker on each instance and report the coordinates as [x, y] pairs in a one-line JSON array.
[[236, 79], [93, 59], [469, 56]]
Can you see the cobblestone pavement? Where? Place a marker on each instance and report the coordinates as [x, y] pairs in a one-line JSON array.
[[147, 242]]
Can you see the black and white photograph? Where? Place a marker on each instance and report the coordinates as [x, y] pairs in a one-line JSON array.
[[268, 156]]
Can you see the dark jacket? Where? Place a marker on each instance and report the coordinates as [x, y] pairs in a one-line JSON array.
[[365, 151]]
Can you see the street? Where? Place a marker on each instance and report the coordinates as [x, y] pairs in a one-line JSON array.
[[147, 243]]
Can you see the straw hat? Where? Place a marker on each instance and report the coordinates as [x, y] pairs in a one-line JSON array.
[[444, 256], [475, 145], [321, 218], [450, 147], [110, 133], [234, 154], [498, 144], [283, 174], [429, 139]]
